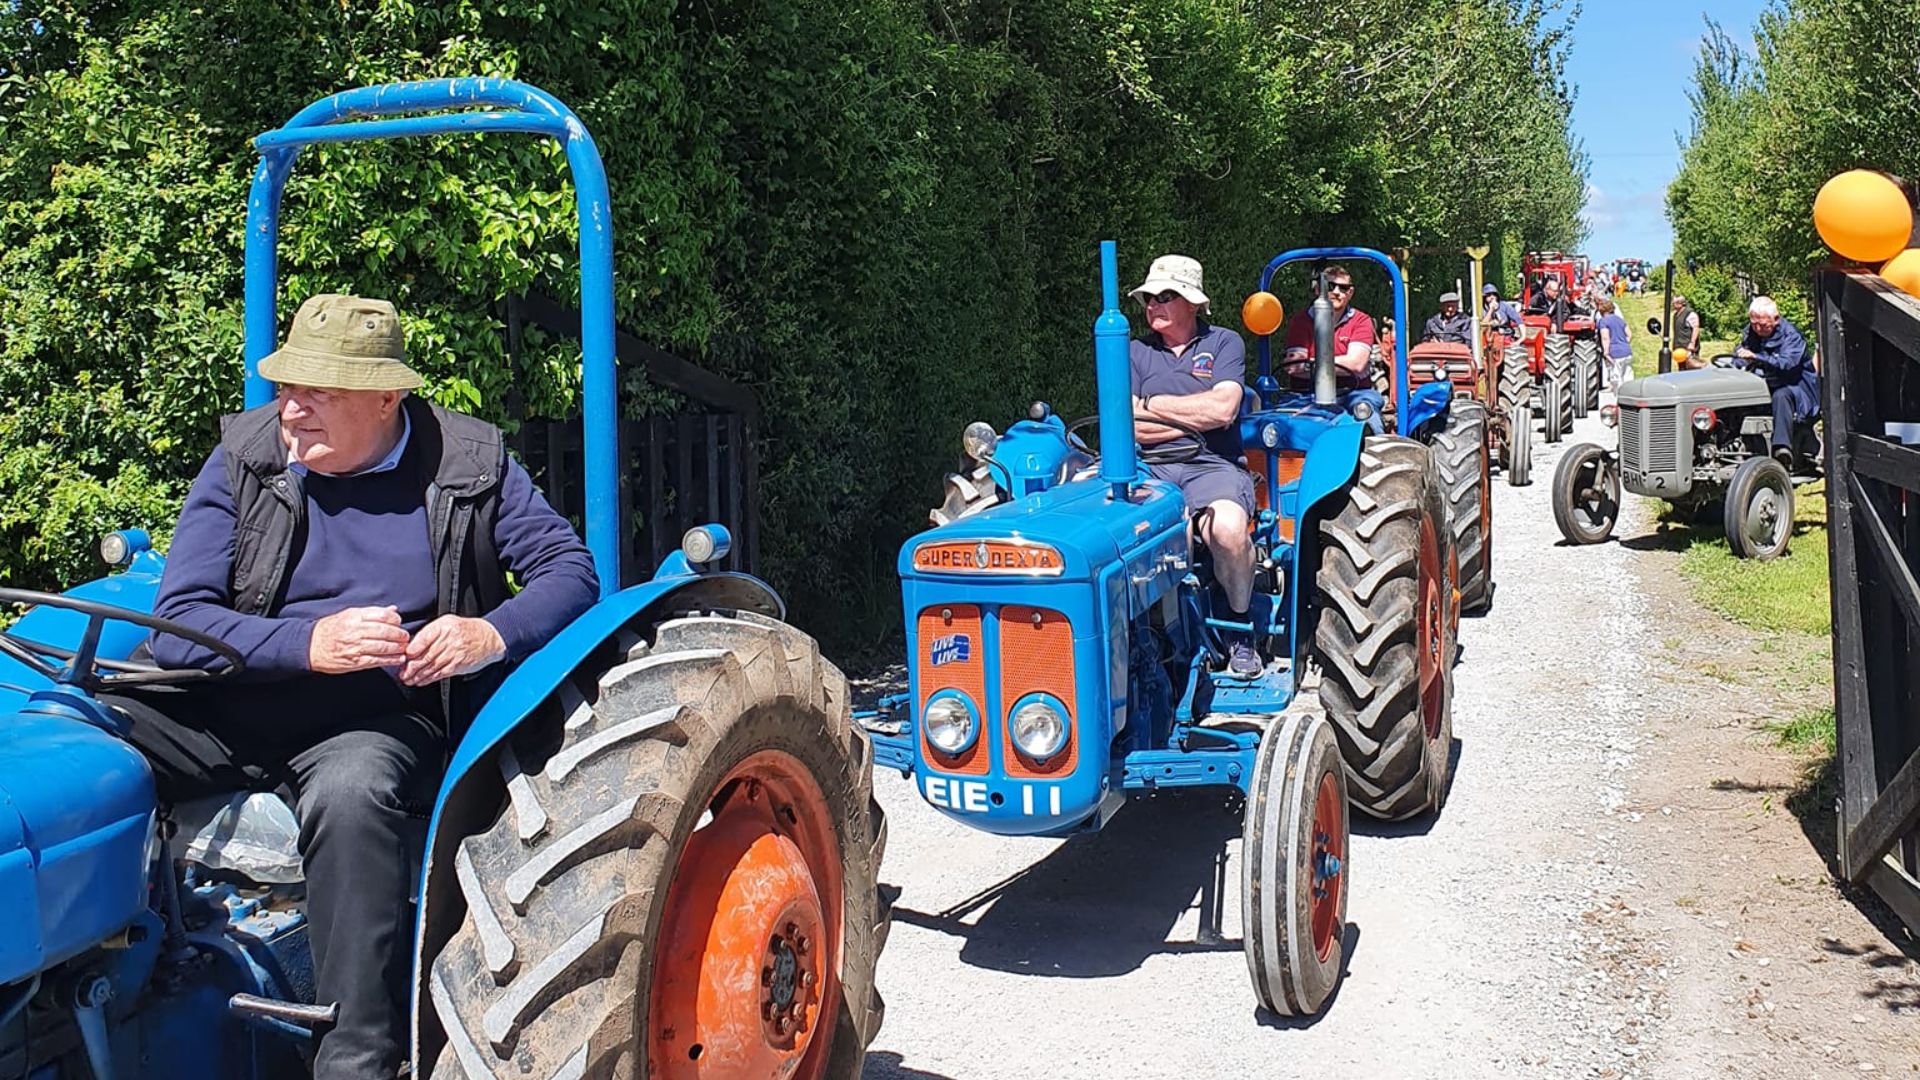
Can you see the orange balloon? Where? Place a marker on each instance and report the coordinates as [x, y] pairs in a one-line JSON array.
[[1903, 270], [1681, 355], [1261, 313], [1863, 216]]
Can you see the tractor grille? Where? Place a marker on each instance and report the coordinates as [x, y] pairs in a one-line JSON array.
[[1649, 439]]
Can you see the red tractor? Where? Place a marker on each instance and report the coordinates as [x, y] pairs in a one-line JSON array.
[[1556, 369]]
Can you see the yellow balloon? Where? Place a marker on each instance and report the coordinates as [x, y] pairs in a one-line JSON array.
[[1863, 216], [1904, 271]]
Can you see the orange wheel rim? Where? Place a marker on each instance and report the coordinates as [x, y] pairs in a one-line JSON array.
[[1329, 866], [746, 982], [1430, 632]]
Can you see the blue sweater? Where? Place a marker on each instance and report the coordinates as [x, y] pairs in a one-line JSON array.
[[364, 543]]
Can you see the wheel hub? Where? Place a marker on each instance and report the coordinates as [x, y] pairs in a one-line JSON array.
[[1329, 848]]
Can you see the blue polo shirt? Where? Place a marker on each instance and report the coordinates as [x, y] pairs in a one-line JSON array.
[[1216, 355]]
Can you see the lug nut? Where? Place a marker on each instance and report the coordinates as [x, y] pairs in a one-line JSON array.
[[800, 943]]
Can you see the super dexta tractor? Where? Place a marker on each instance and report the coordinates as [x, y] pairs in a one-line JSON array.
[[653, 854], [1066, 651]]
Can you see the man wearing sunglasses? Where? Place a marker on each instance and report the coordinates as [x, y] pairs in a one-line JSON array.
[[1353, 334], [1193, 373]]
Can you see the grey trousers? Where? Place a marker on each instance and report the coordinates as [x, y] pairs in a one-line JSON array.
[[361, 764]]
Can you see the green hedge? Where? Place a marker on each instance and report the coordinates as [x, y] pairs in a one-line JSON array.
[[882, 215], [1824, 87]]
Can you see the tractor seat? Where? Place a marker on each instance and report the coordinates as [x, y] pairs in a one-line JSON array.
[[250, 833]]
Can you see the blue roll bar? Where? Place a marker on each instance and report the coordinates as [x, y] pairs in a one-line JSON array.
[[1401, 392], [516, 107]]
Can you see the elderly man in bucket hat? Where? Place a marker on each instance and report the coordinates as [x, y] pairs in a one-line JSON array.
[[353, 543], [1191, 372]]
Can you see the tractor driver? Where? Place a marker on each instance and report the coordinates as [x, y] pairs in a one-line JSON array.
[[1192, 372], [353, 544], [1501, 317], [1452, 325], [1774, 349], [1551, 302], [1353, 333]]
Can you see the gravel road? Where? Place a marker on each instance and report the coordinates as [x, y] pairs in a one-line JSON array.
[[1481, 944]]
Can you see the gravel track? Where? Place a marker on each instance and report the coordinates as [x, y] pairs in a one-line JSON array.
[[1486, 943]]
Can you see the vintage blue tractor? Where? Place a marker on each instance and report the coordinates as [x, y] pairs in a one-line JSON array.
[[1065, 649], [653, 855]]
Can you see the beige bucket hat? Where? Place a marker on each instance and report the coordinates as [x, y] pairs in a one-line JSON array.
[[1176, 272], [343, 343]]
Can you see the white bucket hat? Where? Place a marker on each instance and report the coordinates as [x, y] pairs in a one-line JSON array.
[[1176, 272]]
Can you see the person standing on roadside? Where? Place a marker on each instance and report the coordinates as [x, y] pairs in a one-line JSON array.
[[1686, 332], [1616, 344]]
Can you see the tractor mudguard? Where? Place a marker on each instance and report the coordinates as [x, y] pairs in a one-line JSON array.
[[1331, 462], [1429, 403]]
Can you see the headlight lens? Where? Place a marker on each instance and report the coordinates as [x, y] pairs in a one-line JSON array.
[[1363, 410], [1039, 730], [114, 549], [950, 724], [1703, 419], [978, 440], [1610, 415]]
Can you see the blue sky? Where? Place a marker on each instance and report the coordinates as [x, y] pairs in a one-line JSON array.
[[1631, 132]]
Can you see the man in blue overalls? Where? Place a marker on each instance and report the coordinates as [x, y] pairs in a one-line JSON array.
[[1191, 372], [1774, 349]]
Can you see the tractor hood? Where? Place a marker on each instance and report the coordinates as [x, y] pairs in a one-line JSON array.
[[1716, 388], [1085, 530], [76, 835]]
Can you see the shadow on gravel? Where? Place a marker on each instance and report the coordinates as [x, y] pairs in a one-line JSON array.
[[1361, 825], [1100, 904], [887, 1065], [1812, 805]]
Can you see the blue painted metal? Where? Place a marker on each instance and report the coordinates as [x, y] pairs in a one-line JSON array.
[[1399, 284], [518, 107], [1118, 459], [1429, 403]]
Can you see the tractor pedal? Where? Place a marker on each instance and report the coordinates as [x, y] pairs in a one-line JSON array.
[[306, 1016]]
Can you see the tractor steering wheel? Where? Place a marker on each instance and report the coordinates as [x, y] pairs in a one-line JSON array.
[[1726, 360], [1191, 444], [83, 668]]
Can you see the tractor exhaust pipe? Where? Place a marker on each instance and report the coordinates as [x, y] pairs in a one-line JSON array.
[[1119, 459], [1325, 390]]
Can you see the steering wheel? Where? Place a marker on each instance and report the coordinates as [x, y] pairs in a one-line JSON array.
[[83, 668], [1726, 360], [1191, 444]]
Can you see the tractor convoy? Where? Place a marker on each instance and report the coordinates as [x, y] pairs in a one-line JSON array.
[[655, 852]]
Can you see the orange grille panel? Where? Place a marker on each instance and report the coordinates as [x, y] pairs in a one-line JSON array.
[[1289, 464], [1036, 656], [969, 676]]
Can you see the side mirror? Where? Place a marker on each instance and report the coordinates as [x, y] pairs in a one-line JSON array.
[[1653, 326]]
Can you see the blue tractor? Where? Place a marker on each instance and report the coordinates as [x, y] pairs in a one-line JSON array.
[[1065, 648], [654, 853]]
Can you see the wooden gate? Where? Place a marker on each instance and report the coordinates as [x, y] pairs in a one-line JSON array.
[[697, 466], [1870, 349]]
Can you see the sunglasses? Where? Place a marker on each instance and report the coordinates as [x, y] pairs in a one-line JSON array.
[[1167, 297], [1340, 286]]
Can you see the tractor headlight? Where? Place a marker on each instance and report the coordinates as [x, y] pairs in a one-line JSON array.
[[951, 726], [978, 440], [1363, 410], [1269, 435], [1703, 419], [1039, 729], [1610, 415]]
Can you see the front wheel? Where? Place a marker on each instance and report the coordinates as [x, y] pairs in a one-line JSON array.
[[1293, 881], [1520, 445], [683, 883], [1586, 494], [1558, 415], [1759, 509]]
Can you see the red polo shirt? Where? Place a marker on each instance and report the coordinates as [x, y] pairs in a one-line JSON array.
[[1355, 325]]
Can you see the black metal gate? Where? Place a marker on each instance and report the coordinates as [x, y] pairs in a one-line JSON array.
[[697, 466], [1870, 353]]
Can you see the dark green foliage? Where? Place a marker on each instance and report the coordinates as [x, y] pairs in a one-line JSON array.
[[1826, 87], [881, 215]]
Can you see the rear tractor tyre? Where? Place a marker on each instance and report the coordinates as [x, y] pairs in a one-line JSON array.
[[1520, 446], [1516, 385], [1383, 633], [686, 886], [1460, 454], [1586, 494], [1293, 883], [1759, 509]]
